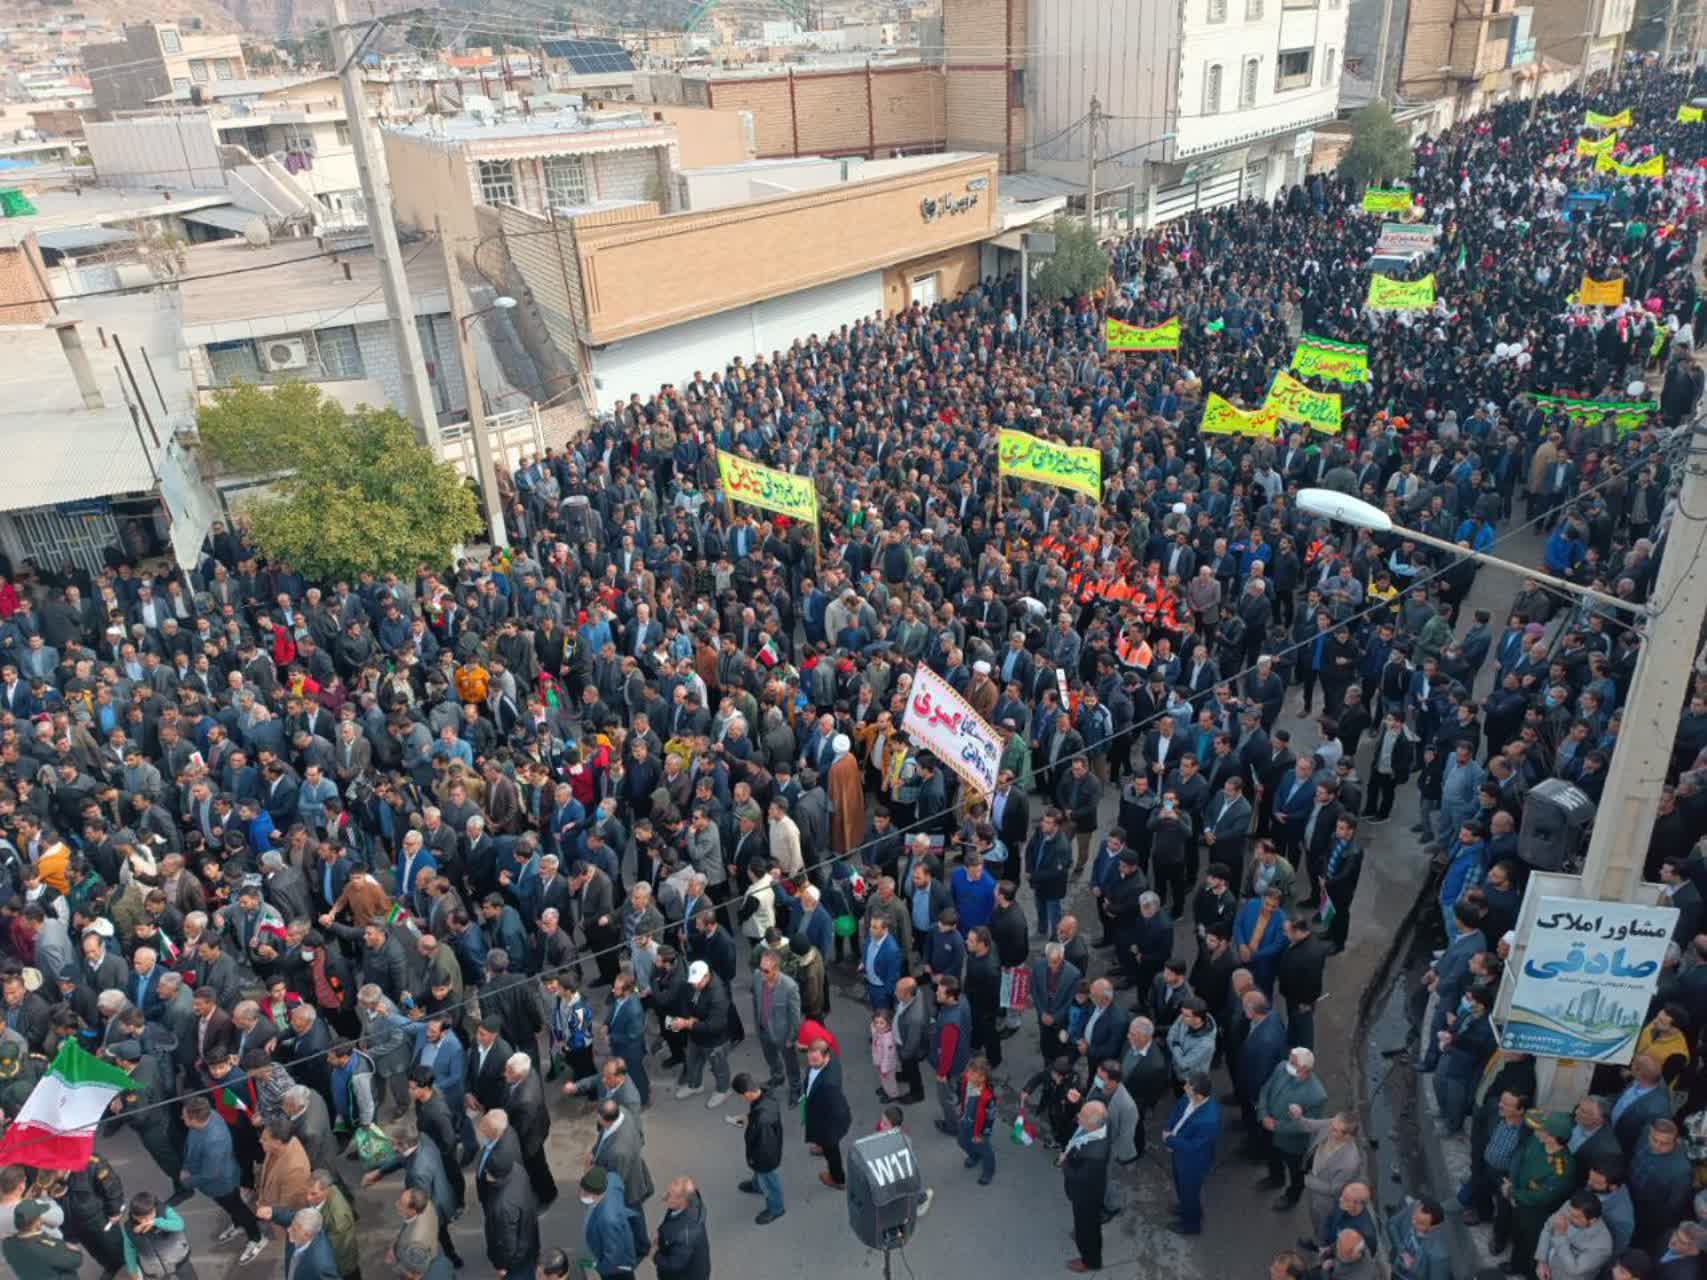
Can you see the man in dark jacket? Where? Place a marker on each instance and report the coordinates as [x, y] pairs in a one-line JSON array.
[[1084, 1171], [524, 1102], [684, 1249], [513, 999], [512, 1223], [1299, 979], [763, 1125], [827, 1115], [706, 1022]]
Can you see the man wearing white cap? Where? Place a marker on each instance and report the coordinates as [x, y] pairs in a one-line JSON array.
[[847, 797], [982, 692], [707, 1023]]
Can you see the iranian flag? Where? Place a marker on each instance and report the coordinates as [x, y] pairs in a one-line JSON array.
[[55, 1128]]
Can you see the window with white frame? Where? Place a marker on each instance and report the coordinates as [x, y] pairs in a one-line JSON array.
[[1253, 10], [340, 353], [224, 69], [1212, 89], [198, 70], [181, 83], [170, 41], [497, 182], [1248, 84], [1330, 64], [566, 181], [298, 138], [341, 131], [1217, 10], [1292, 69]]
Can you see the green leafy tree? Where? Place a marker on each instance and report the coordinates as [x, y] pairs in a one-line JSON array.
[[1077, 266], [359, 492], [1380, 150]]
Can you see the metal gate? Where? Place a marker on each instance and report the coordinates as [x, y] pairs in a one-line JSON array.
[[57, 539]]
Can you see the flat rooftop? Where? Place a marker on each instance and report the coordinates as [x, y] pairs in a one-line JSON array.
[[289, 287], [451, 130], [61, 206]]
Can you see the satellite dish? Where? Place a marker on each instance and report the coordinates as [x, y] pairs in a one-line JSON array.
[[257, 233]]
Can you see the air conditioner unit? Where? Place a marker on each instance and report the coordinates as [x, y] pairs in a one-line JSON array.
[[283, 353]]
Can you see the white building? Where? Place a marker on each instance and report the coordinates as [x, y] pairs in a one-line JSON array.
[[1204, 102]]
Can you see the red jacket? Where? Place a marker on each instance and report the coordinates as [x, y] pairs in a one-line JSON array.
[[984, 1113]]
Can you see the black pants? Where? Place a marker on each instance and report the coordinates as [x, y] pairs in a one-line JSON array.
[[987, 1036], [603, 942], [1087, 1234], [1382, 789], [833, 1162], [242, 1216], [1170, 885], [539, 1176], [909, 1076], [447, 1246], [1288, 1165], [1307, 681]]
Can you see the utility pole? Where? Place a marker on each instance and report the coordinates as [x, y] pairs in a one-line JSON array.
[[1093, 122], [1635, 776], [376, 193], [490, 497], [1671, 28]]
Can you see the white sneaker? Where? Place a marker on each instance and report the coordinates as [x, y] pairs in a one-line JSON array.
[[925, 1201], [683, 1091], [716, 1100], [251, 1251], [231, 1232]]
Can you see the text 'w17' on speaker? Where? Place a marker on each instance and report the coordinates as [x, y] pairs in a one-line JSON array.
[[883, 1189], [1556, 820]]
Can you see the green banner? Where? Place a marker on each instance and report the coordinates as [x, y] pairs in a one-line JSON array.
[[1388, 294], [1223, 418], [1131, 337], [1292, 400], [1379, 200], [1627, 415], [1333, 361], [1062, 465]]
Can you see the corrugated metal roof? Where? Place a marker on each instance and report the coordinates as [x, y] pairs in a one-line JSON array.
[[226, 218], [72, 239]]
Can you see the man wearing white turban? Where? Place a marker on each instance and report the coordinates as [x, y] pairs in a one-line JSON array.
[[847, 797]]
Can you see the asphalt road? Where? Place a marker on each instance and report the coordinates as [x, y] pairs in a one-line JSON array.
[[1019, 1226]]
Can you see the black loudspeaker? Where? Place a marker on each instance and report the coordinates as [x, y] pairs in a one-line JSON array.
[[883, 1190], [1556, 820]]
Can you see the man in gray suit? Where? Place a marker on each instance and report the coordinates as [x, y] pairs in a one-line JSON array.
[[776, 1013], [616, 1149], [913, 1018]]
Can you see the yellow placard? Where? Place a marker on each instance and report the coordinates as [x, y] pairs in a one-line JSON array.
[[1223, 418], [1132, 337], [1065, 466], [1595, 120], [1652, 167], [769, 488], [1691, 115], [1601, 293], [1597, 146], [1388, 294], [1387, 200], [1291, 400]]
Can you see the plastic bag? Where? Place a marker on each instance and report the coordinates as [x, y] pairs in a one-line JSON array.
[[371, 1146]]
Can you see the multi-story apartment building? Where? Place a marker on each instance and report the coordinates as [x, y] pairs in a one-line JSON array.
[[154, 58]]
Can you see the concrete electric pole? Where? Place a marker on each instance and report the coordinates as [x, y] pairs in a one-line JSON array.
[[1636, 774], [376, 194], [490, 497], [1093, 122]]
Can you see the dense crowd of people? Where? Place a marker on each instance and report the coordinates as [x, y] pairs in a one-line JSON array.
[[469, 850]]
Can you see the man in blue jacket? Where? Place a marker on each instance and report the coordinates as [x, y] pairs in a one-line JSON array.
[[609, 1232], [210, 1167], [1192, 1131]]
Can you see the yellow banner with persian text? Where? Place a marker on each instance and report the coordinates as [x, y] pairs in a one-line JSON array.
[[769, 488], [1223, 418], [1065, 466]]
